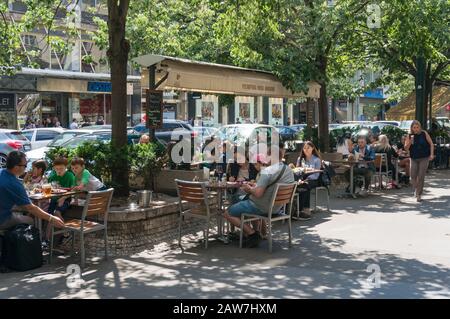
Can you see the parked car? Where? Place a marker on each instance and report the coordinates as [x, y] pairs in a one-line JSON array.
[[393, 123], [333, 126], [444, 122], [298, 127], [165, 133], [101, 136], [287, 133], [246, 136], [96, 127], [205, 130], [12, 140], [405, 125], [40, 137], [59, 140]]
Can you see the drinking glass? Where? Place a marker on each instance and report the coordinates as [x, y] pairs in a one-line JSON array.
[[47, 189]]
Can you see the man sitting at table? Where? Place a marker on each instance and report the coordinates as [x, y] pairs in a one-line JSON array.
[[260, 196], [13, 193], [366, 168]]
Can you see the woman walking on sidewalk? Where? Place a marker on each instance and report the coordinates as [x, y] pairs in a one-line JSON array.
[[421, 149]]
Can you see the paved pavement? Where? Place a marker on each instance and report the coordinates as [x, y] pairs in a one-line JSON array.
[[409, 242]]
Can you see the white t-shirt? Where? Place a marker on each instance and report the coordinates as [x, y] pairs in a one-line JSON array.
[[74, 126], [343, 148]]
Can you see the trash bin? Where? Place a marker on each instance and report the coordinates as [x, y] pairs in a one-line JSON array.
[[144, 198]]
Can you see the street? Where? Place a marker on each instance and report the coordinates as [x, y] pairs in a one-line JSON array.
[[331, 253]]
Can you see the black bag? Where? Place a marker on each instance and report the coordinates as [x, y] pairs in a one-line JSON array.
[[22, 248], [327, 175]]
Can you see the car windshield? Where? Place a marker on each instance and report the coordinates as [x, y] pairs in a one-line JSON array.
[[28, 135], [63, 138], [285, 130], [18, 136], [79, 140], [405, 124], [234, 133], [98, 127]]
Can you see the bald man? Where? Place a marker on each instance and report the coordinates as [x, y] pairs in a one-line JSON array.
[[145, 139]]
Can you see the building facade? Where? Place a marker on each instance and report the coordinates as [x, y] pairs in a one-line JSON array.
[[64, 85]]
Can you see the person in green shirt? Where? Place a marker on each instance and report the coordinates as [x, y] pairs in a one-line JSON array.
[[84, 180], [65, 179]]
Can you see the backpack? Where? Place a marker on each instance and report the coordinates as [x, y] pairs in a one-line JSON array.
[[21, 249], [327, 175]]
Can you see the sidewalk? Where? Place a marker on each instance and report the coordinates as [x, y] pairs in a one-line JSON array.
[[409, 241]]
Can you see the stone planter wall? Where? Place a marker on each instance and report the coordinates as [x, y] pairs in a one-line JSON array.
[[131, 231]]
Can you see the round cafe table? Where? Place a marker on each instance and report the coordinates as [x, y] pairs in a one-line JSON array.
[[221, 189], [55, 194]]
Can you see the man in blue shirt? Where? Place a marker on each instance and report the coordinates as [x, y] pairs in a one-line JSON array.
[[366, 168], [13, 193]]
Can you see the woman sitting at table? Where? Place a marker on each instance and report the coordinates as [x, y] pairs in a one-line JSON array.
[[383, 147], [240, 171], [309, 158], [345, 144]]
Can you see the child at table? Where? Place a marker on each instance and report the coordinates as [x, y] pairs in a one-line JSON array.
[[84, 180], [35, 178], [64, 178], [36, 175]]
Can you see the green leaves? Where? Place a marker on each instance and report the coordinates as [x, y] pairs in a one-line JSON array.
[[102, 159]]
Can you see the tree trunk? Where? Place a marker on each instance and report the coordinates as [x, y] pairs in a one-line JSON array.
[[324, 138], [118, 50], [426, 93]]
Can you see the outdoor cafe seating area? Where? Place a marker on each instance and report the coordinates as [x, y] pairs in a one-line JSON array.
[[384, 179], [204, 200]]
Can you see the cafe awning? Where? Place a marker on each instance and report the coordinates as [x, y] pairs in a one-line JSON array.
[[406, 109], [196, 76]]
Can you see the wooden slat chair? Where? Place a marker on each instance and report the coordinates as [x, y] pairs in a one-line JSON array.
[[283, 196], [97, 205], [379, 162], [196, 193]]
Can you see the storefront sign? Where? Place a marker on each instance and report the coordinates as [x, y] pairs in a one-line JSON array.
[[154, 108], [7, 102], [99, 87], [375, 94], [196, 95]]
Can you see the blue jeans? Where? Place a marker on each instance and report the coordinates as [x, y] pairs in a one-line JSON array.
[[54, 206], [245, 206]]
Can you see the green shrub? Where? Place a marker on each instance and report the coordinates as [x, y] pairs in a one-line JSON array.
[[393, 133], [102, 159]]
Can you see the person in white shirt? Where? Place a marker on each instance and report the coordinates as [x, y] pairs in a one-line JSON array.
[[74, 124], [345, 144]]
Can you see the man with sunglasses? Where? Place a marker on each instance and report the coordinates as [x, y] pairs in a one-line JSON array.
[[13, 193]]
